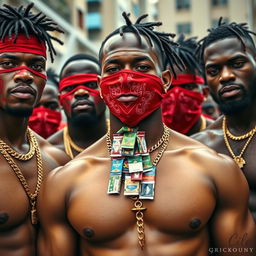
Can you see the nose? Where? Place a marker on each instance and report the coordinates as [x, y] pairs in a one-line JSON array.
[[226, 75], [24, 76], [81, 92]]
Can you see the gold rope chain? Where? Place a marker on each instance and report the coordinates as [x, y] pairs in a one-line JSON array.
[[32, 196], [242, 137], [238, 159], [138, 204], [17, 155]]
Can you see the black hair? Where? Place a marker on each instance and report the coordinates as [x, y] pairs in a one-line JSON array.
[[80, 56], [162, 40], [53, 77], [21, 20], [186, 51], [224, 30]]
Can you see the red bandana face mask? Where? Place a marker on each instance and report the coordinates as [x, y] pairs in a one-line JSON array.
[[44, 121], [181, 108], [78, 80], [148, 88]]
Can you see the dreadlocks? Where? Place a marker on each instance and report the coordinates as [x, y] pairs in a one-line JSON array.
[[186, 52], [162, 40], [21, 20], [223, 30]]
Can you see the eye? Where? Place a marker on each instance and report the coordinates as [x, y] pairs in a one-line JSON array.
[[112, 69], [92, 85], [38, 67], [51, 105], [142, 68], [68, 88], [238, 64], [7, 64], [190, 87], [213, 71]]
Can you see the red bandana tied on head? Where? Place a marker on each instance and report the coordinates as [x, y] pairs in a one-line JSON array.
[[79, 80], [181, 108], [23, 44], [146, 87], [44, 121]]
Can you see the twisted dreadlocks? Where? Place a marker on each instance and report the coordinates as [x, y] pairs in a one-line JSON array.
[[223, 30], [162, 40], [21, 20], [186, 52]]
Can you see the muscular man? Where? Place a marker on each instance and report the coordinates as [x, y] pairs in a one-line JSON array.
[[229, 54], [25, 157], [144, 189], [182, 104], [83, 107], [46, 117]]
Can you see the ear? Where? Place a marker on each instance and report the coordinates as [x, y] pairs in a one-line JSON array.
[[98, 83], [167, 79]]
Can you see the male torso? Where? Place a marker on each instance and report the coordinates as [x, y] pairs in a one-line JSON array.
[[175, 222], [213, 137], [17, 233]]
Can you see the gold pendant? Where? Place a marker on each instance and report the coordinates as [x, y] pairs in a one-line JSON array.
[[33, 213], [240, 161]]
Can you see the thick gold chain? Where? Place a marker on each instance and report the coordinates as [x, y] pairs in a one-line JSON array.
[[17, 155], [242, 137], [32, 196], [203, 123], [238, 159]]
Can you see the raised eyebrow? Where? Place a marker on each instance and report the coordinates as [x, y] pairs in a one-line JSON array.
[[141, 58], [111, 61], [39, 58], [9, 56]]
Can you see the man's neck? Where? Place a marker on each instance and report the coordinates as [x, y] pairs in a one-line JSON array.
[[13, 129], [84, 135]]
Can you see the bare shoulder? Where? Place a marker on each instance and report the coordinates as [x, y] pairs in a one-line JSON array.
[[57, 139], [214, 164], [51, 151]]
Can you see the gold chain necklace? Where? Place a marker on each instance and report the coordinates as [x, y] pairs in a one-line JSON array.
[[138, 204], [203, 123], [239, 159], [32, 196], [68, 143], [17, 155], [242, 137]]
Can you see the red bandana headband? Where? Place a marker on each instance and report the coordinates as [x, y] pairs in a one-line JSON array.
[[187, 79], [23, 44], [7, 70], [77, 79]]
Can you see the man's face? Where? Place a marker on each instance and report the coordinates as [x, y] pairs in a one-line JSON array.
[[50, 98], [81, 107], [20, 90], [230, 72]]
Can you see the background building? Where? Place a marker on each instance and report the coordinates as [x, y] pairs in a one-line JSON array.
[[87, 22]]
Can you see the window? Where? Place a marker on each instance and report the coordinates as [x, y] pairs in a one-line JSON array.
[[93, 21], [182, 4], [184, 28], [219, 2]]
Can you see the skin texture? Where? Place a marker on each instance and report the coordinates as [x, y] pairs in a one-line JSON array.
[[226, 64], [86, 133], [192, 200], [17, 235]]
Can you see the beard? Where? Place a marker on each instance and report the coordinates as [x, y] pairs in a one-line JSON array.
[[233, 107], [19, 112], [84, 119]]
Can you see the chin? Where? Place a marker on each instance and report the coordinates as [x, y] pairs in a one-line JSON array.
[[19, 112]]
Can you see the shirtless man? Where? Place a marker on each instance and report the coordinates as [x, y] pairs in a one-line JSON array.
[[182, 104], [192, 205], [25, 157], [229, 56], [81, 102], [46, 117]]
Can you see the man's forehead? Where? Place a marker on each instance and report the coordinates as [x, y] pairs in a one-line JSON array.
[[128, 41]]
